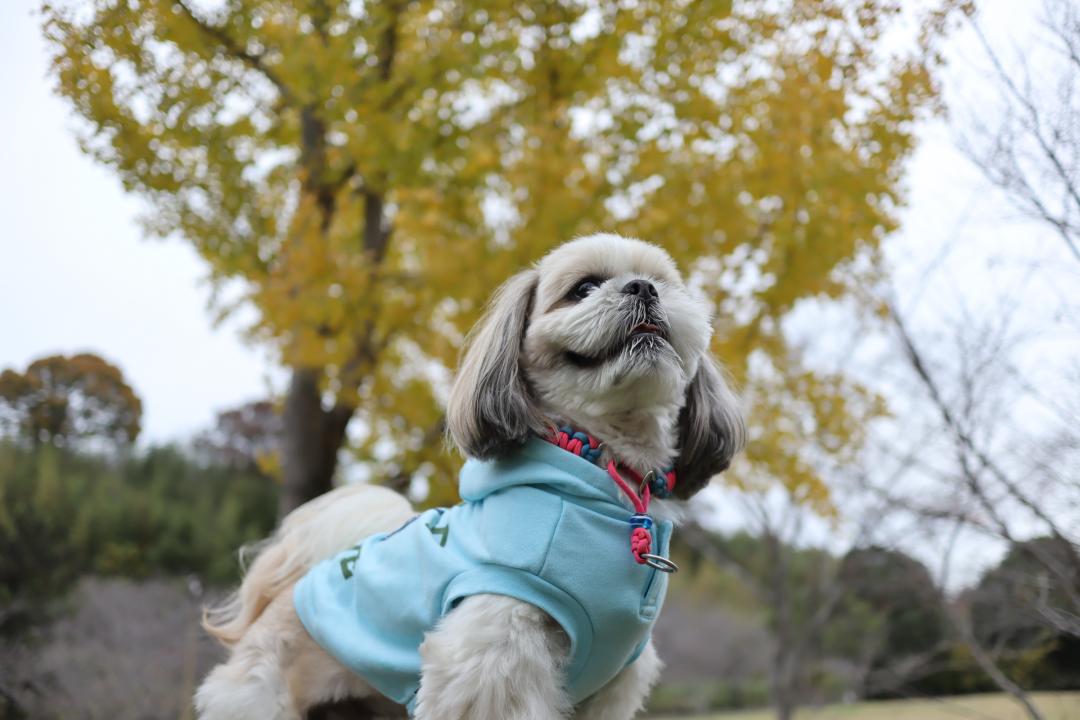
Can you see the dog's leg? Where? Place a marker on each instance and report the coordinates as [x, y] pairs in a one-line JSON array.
[[493, 658], [276, 672], [250, 686], [623, 697]]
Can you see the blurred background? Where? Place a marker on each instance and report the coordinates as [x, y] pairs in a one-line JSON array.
[[243, 240]]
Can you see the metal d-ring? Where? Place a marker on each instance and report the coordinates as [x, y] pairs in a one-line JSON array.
[[662, 564], [645, 482]]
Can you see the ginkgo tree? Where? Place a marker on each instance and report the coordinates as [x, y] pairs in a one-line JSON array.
[[367, 172]]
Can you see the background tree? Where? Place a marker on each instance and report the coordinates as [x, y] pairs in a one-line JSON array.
[[63, 400], [246, 437], [370, 171], [996, 448], [1029, 147], [1021, 611], [976, 467], [902, 597], [796, 586]]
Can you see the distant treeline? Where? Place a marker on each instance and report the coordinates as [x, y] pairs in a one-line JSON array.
[[871, 623], [157, 512]]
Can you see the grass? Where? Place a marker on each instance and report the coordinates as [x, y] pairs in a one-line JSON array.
[[1054, 706]]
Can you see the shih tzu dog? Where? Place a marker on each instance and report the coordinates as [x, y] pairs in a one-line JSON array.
[[585, 391]]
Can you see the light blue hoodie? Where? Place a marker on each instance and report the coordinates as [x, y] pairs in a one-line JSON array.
[[543, 526]]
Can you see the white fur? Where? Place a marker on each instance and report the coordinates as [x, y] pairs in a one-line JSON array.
[[625, 696], [275, 671], [632, 405], [515, 651], [493, 657]]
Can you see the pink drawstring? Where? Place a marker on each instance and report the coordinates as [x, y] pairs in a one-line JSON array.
[[640, 536], [588, 448], [641, 504]]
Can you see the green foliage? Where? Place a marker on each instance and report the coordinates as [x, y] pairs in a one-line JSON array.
[[183, 517], [958, 674], [695, 698], [64, 514], [803, 582], [369, 171], [1013, 603], [40, 556], [889, 625], [891, 611], [1022, 608], [707, 582]]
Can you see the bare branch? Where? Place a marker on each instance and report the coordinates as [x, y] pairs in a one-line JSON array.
[[1008, 173], [984, 660], [966, 449], [960, 434]]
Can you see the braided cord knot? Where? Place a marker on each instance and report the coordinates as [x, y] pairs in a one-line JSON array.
[[662, 483], [581, 444], [640, 536]]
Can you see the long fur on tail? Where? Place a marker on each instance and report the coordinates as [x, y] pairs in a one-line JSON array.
[[316, 530]]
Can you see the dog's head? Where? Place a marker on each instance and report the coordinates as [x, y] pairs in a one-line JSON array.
[[601, 334]]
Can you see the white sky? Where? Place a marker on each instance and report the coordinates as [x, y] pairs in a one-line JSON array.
[[76, 275]]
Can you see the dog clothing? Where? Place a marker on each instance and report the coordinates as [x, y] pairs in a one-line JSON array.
[[542, 525]]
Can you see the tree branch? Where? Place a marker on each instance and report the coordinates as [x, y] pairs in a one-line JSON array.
[[965, 445], [234, 50], [1034, 129], [990, 667]]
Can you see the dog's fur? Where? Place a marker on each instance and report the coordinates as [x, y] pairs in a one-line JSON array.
[[627, 362]]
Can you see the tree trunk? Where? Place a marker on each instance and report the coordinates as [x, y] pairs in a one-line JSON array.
[[785, 701], [785, 708], [785, 670], [311, 439]]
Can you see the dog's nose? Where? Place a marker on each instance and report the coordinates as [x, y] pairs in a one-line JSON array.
[[642, 288]]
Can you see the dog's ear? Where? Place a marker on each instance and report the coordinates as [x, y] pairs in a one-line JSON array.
[[711, 429], [491, 408]]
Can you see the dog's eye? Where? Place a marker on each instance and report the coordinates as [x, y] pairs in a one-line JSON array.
[[584, 288]]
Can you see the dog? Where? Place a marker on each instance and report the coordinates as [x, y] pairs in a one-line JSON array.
[[585, 390]]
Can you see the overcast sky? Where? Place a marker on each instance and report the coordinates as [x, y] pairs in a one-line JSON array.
[[76, 274]]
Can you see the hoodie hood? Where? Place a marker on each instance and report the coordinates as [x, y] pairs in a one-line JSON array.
[[541, 464]]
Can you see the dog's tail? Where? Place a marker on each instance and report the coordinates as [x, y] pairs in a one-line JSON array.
[[316, 530]]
